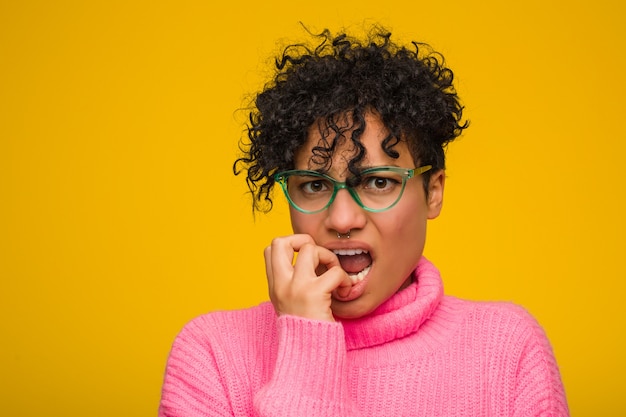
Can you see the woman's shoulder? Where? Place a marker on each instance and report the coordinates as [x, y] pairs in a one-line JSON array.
[[498, 319], [481, 308], [230, 317], [230, 327]]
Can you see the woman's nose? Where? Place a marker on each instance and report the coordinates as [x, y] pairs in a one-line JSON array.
[[345, 213]]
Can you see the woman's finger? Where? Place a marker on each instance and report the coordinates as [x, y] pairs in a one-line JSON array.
[[283, 250], [310, 258], [267, 254]]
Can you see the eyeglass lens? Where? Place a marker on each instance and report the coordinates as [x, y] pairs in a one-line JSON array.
[[375, 191]]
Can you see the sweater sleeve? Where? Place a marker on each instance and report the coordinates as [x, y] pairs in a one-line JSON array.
[[539, 390], [205, 375], [310, 376], [192, 386]]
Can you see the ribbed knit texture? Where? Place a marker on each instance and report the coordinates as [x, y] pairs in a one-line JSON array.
[[418, 354]]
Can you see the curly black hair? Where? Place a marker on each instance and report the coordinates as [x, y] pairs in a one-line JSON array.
[[337, 80]]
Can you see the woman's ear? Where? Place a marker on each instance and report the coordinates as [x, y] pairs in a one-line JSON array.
[[435, 193]]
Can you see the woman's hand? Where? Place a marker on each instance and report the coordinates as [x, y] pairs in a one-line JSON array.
[[304, 288]]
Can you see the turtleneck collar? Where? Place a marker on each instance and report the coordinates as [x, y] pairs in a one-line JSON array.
[[402, 314]]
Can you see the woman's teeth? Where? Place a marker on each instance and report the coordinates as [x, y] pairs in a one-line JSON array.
[[349, 251], [359, 277]]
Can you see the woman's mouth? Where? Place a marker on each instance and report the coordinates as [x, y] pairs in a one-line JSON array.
[[355, 262]]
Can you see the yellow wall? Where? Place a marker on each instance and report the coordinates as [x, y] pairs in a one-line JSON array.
[[120, 218]]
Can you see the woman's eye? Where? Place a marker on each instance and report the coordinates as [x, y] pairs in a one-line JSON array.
[[379, 184], [312, 187]]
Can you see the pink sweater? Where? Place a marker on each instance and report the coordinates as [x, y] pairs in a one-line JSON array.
[[419, 354]]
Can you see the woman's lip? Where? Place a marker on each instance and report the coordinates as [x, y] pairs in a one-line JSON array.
[[347, 245], [356, 290]]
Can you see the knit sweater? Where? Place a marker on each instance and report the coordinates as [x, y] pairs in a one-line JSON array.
[[420, 353]]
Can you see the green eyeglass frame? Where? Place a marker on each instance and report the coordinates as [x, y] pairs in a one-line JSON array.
[[405, 174]]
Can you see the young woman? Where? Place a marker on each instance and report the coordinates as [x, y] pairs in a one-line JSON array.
[[354, 134]]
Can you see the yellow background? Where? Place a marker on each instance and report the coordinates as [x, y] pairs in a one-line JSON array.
[[120, 218]]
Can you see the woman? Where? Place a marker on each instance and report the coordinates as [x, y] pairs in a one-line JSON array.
[[354, 134]]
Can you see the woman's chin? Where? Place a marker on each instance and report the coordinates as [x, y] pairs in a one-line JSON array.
[[351, 309]]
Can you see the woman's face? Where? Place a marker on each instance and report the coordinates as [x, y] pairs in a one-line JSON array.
[[394, 239]]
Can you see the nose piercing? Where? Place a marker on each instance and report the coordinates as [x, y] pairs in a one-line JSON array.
[[346, 235]]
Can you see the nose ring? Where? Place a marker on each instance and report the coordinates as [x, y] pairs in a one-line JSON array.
[[345, 235]]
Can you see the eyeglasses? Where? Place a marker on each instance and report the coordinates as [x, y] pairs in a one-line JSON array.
[[375, 189]]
